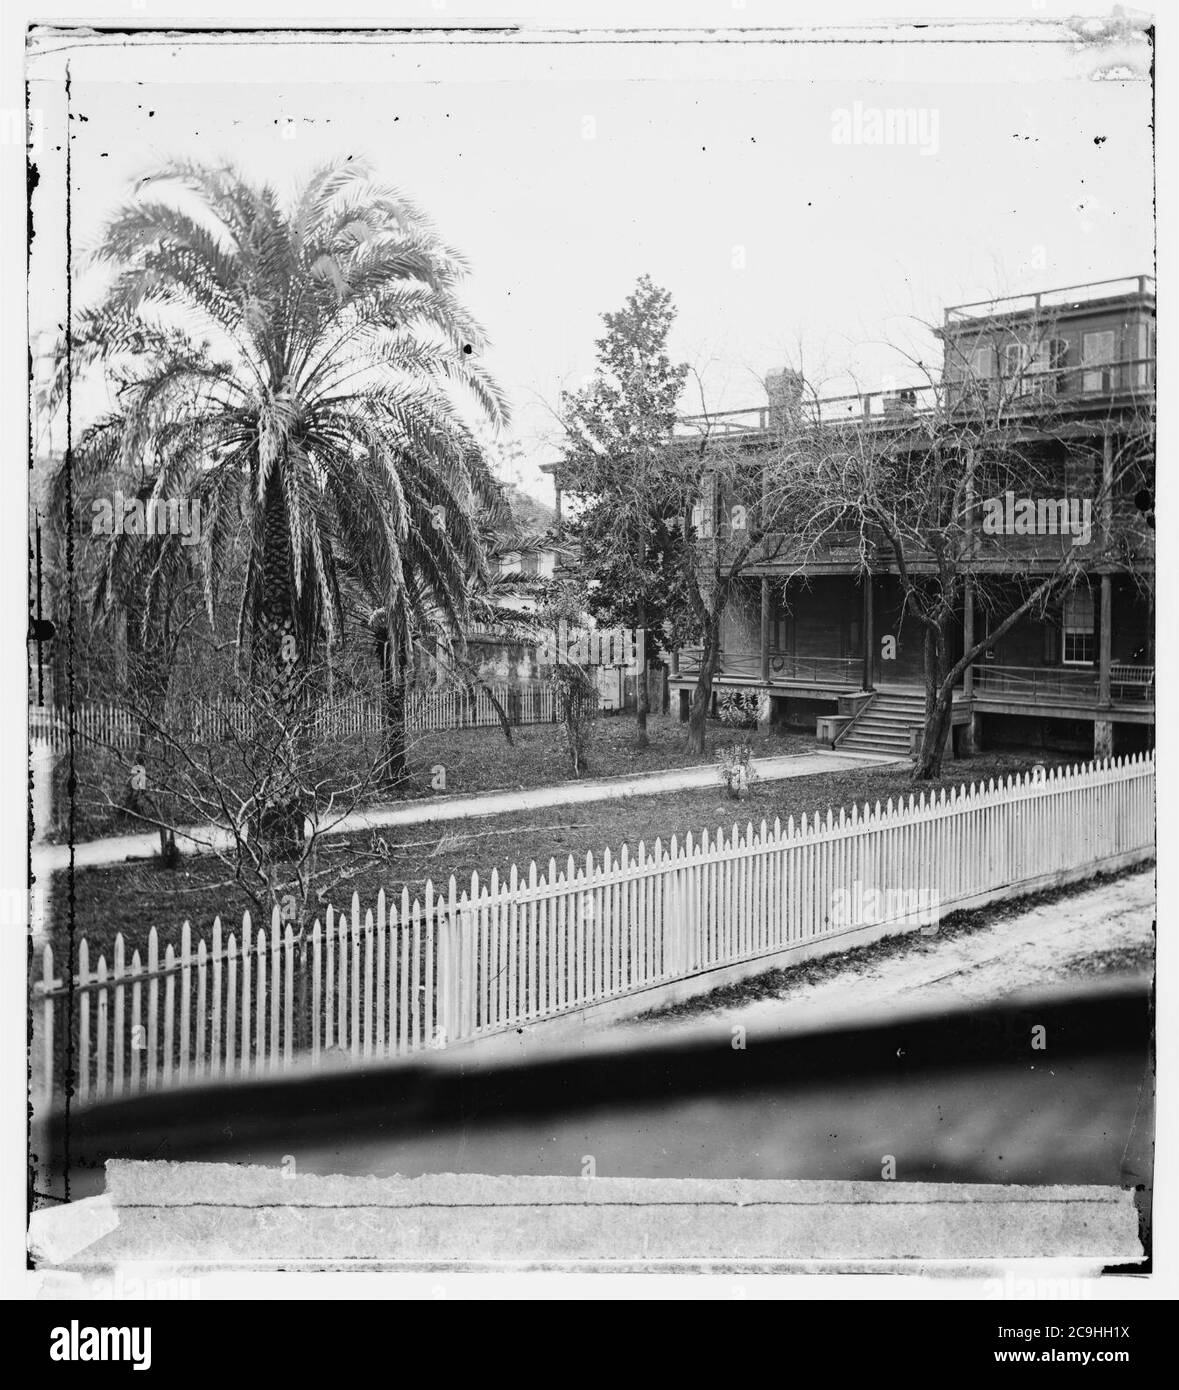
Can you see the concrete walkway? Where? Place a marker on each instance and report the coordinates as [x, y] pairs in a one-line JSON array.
[[117, 848]]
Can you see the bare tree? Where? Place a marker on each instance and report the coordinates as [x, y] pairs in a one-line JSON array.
[[740, 501], [932, 485], [211, 773]]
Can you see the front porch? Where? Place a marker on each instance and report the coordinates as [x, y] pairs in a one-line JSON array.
[[774, 670], [821, 651], [1087, 659], [808, 643]]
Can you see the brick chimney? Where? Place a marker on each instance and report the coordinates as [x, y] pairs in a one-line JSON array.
[[784, 392]]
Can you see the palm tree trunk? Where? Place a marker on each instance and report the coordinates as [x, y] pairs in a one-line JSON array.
[[275, 669], [394, 697], [394, 763], [501, 714], [149, 672]]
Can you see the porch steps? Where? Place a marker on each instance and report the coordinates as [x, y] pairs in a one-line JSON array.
[[885, 725]]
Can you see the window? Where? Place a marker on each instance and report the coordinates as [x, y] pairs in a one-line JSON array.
[[1019, 368], [1014, 356], [978, 373], [1058, 364], [982, 361], [1048, 367], [1144, 352], [1078, 648], [701, 521], [1077, 627], [1097, 352]]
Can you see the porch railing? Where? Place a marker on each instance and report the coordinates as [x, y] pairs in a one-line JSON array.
[[845, 671], [1129, 684]]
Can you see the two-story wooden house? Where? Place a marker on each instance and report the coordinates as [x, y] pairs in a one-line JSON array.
[[1064, 381]]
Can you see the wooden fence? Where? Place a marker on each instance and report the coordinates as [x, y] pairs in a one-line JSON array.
[[203, 722], [455, 709], [583, 646], [508, 952], [616, 646]]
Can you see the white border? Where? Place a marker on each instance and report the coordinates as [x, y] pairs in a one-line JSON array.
[[717, 16]]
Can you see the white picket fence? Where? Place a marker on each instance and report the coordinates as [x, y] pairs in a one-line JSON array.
[[512, 951], [454, 709], [113, 726]]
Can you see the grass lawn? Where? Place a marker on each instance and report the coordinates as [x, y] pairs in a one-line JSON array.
[[475, 760], [133, 897], [479, 760]]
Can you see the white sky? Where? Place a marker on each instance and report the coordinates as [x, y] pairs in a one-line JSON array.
[[690, 159]]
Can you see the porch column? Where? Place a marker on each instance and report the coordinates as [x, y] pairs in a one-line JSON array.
[[1107, 488], [765, 628], [1103, 728], [869, 630], [968, 635], [1105, 641], [968, 739]]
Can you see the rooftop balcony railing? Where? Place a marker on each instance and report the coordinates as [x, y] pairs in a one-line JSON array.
[[1018, 304], [1012, 398]]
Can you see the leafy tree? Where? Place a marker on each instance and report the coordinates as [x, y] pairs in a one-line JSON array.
[[617, 464]]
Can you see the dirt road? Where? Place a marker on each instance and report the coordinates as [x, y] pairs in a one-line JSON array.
[[1082, 935]]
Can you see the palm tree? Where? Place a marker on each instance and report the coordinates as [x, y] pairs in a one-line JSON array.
[[299, 373]]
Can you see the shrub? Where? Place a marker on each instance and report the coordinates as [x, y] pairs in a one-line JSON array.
[[738, 709], [577, 703], [736, 769]]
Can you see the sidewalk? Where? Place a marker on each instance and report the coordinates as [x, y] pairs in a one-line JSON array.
[[116, 848]]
